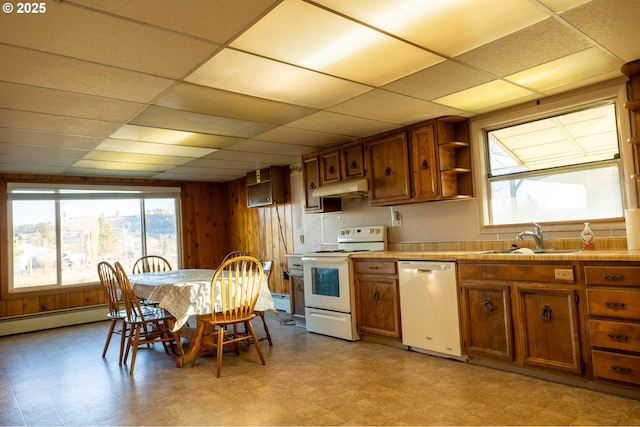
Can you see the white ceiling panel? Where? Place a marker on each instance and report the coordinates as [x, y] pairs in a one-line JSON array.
[[80, 33], [337, 46], [257, 76], [391, 107], [168, 118], [214, 102], [224, 18], [61, 103], [210, 90], [58, 72]]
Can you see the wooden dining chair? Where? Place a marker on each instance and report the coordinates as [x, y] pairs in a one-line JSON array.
[[151, 263], [146, 325], [234, 254], [266, 267], [111, 288], [235, 289]]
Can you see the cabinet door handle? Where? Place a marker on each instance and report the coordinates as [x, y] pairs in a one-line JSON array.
[[546, 312], [621, 369], [614, 277], [387, 171], [298, 287], [425, 164], [373, 267], [332, 170], [376, 296], [312, 185], [354, 165], [487, 306], [616, 337], [612, 304]]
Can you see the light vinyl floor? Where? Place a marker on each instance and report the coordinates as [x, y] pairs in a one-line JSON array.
[[57, 377]]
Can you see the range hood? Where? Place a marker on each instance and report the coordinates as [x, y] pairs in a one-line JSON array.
[[343, 190]]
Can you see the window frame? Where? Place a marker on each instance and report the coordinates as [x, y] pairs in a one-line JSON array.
[[614, 90], [106, 192]]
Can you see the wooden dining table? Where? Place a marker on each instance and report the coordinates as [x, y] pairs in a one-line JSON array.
[[183, 293]]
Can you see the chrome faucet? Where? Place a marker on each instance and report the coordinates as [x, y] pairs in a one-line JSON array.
[[536, 234]]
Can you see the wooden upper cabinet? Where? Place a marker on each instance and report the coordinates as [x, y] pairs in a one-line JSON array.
[[353, 160], [330, 166], [424, 163], [311, 180], [388, 170]]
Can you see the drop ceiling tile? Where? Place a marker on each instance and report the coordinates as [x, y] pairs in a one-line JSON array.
[[447, 27], [442, 79], [10, 166], [614, 24], [27, 159], [69, 30], [168, 118], [200, 177], [51, 155], [326, 121], [138, 147], [201, 99], [39, 100], [260, 160], [266, 147], [569, 69], [223, 20], [392, 108], [175, 137], [261, 77], [55, 72], [559, 6], [88, 170], [336, 46], [289, 135], [532, 46], [221, 164], [120, 166], [29, 137], [485, 95], [56, 124], [141, 158]]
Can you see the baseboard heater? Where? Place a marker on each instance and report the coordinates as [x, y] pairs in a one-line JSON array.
[[52, 319]]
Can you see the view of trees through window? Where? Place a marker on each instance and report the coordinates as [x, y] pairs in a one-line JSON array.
[[61, 241]]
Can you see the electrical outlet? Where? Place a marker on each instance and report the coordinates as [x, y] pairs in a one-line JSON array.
[[396, 219]]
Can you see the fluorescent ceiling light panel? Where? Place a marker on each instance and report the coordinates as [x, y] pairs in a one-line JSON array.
[[568, 70], [173, 137], [124, 146], [449, 27], [151, 159], [299, 33], [241, 72], [479, 97], [120, 166]]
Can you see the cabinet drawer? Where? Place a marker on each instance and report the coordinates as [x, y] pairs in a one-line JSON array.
[[614, 303], [618, 367], [518, 272], [615, 335], [374, 267], [612, 275]]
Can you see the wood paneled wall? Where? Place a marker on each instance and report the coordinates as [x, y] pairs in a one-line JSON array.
[[215, 220]]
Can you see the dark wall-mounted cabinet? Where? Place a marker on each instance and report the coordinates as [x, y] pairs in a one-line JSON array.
[[265, 186]]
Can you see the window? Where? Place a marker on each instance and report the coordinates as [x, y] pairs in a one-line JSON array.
[[559, 163], [61, 233]]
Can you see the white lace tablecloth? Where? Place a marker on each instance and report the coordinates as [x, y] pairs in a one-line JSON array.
[[186, 292]]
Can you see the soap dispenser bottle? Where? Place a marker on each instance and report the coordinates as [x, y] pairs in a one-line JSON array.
[[588, 238]]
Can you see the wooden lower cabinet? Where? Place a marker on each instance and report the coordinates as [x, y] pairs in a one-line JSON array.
[[613, 300], [488, 320], [551, 333], [524, 314], [377, 296]]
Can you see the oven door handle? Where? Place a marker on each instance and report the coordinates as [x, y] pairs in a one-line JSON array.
[[325, 260]]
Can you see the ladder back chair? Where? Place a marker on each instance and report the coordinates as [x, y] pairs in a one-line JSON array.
[[113, 295], [146, 324], [235, 288]]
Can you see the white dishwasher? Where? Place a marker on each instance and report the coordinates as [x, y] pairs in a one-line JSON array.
[[429, 307]]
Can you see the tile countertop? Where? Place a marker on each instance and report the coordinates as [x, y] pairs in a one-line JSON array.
[[591, 255]]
